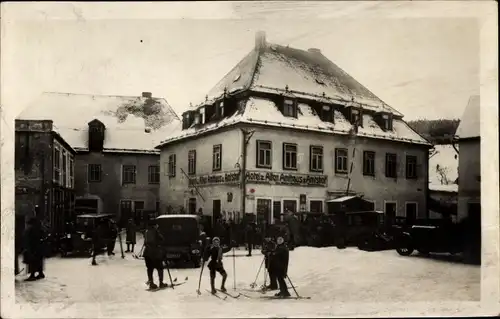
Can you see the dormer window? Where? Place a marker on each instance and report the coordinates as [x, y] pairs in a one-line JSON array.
[[356, 118], [202, 116], [386, 122], [221, 109], [327, 113], [289, 108]]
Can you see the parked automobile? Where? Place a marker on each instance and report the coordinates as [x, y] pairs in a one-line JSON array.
[[182, 241], [444, 238], [78, 239]]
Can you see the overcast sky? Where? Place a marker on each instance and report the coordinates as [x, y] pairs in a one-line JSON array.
[[423, 67]]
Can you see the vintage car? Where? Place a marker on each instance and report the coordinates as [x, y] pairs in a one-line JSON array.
[[430, 238], [78, 239], [182, 241]]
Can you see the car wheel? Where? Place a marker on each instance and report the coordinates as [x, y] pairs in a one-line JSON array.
[[405, 250]]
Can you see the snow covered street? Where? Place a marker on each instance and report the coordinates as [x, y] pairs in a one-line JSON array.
[[332, 277]]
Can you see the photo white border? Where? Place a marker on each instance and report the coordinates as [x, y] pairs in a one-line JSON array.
[[486, 11]]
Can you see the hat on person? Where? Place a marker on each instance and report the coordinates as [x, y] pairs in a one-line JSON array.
[[280, 240], [216, 239]]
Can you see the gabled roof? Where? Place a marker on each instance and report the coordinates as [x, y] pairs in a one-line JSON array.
[[469, 126], [126, 119], [274, 68]]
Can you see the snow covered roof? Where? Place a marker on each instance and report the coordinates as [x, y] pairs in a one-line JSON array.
[[341, 199], [452, 188], [443, 166], [265, 112], [177, 216], [134, 124], [469, 126], [273, 67]]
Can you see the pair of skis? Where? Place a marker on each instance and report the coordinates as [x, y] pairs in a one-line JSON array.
[[225, 293]]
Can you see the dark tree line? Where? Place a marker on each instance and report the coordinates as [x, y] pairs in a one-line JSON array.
[[436, 131]]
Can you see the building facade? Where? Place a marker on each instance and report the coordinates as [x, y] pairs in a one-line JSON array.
[[274, 137], [469, 166], [116, 165], [44, 174]]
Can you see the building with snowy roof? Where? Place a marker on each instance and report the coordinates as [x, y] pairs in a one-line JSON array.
[[114, 137], [469, 165], [276, 134]]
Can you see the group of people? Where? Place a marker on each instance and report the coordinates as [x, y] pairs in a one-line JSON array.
[[105, 234]]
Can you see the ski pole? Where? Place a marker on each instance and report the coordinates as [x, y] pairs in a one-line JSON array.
[[234, 270], [258, 273], [291, 284], [168, 272], [199, 281]]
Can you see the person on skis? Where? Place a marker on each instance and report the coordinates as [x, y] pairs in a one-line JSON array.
[[153, 254], [279, 265], [214, 252], [268, 248]]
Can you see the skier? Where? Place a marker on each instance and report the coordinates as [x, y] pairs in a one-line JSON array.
[[268, 248], [214, 252], [279, 265], [113, 233], [153, 254], [98, 240], [131, 235]]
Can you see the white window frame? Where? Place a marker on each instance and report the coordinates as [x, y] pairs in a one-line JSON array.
[[123, 171], [217, 157], [271, 215], [268, 153], [391, 202], [172, 165], [316, 200], [221, 109], [355, 117], [192, 162], [344, 158], [150, 174], [316, 158], [289, 105], [286, 152], [416, 208]]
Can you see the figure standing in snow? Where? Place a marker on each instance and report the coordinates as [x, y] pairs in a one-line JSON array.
[[250, 237], [153, 254], [268, 248], [131, 235], [113, 233], [98, 240], [33, 255], [279, 265], [214, 252]]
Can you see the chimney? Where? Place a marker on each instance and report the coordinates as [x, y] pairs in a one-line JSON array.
[[314, 50], [147, 95], [260, 40]]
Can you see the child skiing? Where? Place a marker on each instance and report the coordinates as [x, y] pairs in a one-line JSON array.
[[279, 265], [214, 252]]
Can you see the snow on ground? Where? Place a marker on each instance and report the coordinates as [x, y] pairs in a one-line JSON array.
[[333, 278]]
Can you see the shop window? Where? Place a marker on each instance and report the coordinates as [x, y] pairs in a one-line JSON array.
[[316, 206]]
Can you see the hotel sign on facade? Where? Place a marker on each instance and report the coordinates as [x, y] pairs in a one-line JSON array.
[[260, 177]]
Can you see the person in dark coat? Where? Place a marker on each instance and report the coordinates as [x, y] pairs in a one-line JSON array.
[[250, 237], [153, 254], [215, 253], [279, 265], [113, 233], [268, 248], [34, 252], [131, 235], [98, 240]]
